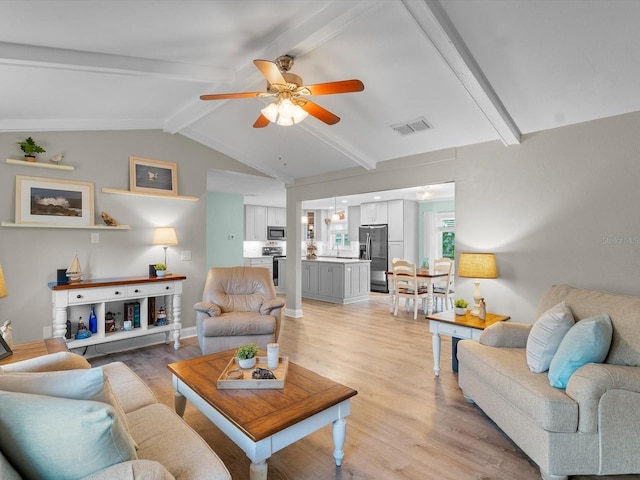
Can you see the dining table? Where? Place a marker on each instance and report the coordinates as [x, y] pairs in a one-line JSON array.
[[426, 277]]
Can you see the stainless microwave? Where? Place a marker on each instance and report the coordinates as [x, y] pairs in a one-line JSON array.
[[276, 233]]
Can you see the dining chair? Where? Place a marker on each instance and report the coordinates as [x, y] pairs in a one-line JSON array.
[[445, 291], [407, 286]]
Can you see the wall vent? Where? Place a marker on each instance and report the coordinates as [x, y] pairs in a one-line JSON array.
[[414, 126]]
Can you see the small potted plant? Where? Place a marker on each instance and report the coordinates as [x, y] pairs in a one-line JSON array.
[[247, 355], [461, 306], [30, 149], [160, 269]]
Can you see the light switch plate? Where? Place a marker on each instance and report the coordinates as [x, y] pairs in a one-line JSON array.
[[185, 255]]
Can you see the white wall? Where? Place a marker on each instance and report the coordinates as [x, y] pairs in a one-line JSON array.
[[30, 257], [560, 208]]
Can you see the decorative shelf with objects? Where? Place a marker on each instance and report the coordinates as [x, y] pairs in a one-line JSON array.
[[77, 227], [116, 297], [54, 166], [145, 194]]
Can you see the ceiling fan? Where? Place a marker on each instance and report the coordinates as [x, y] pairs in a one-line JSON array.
[[290, 107]]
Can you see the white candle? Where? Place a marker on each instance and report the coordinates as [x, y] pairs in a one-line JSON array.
[[273, 355]]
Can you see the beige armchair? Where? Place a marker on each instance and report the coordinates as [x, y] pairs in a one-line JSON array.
[[239, 305]]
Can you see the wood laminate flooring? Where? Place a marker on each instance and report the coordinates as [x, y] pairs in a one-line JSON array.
[[405, 424]]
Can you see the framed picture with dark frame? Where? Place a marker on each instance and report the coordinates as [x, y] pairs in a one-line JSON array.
[[153, 176], [5, 350], [54, 201]]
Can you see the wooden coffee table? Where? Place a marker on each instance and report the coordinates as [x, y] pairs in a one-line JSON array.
[[261, 422], [457, 327]]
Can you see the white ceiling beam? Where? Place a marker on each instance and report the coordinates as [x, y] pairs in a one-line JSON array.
[[436, 25], [216, 144], [64, 59], [76, 124]]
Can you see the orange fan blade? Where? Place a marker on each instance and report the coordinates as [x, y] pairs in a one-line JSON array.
[[226, 96], [270, 71], [317, 111], [261, 122], [344, 86]]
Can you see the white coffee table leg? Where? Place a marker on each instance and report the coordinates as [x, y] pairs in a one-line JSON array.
[[339, 433], [436, 353], [258, 471]]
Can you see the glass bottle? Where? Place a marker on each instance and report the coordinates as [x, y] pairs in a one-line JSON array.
[[93, 321]]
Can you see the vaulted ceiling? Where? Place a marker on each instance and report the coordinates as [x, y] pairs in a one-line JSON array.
[[474, 70]]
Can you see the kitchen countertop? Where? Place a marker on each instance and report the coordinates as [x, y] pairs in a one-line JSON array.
[[334, 260]]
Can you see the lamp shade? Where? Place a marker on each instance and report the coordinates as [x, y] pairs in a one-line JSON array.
[[165, 236], [477, 265], [3, 285]]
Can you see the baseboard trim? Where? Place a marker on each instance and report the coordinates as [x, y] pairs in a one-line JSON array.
[[290, 312]]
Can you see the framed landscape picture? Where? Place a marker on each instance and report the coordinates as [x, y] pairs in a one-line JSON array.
[[54, 201], [5, 350], [153, 176]]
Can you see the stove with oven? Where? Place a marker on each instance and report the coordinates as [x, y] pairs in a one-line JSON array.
[[275, 252]]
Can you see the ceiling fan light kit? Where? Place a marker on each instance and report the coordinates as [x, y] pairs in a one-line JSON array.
[[290, 108]]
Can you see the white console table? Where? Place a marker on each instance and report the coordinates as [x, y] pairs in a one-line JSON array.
[[75, 299]]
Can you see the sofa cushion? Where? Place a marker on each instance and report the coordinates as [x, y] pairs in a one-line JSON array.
[[131, 391], [132, 470], [505, 372], [622, 310], [58, 438], [163, 436], [48, 363], [86, 384], [587, 341], [545, 336], [239, 323]]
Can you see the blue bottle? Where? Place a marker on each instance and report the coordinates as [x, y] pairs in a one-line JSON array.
[[93, 321]]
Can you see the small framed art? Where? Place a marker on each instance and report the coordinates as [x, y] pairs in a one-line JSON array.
[[153, 176], [54, 201]]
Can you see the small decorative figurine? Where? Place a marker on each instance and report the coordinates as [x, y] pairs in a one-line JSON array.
[[109, 221], [83, 331], [482, 310], [161, 319], [6, 333]]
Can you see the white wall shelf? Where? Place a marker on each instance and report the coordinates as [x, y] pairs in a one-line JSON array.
[[81, 227], [54, 166], [141, 194]]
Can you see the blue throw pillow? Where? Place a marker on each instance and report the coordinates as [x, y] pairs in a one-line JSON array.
[[587, 341]]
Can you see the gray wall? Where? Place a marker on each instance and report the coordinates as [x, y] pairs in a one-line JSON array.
[[560, 208], [30, 257]]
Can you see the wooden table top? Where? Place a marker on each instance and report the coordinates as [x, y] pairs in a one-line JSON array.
[[25, 351], [261, 413], [467, 320]]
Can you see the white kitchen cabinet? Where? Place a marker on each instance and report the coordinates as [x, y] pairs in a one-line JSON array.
[[255, 223], [354, 226], [310, 279], [396, 220], [73, 301], [374, 213], [276, 217], [331, 280], [336, 281]]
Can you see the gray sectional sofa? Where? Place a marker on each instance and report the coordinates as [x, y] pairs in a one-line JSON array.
[[589, 428]]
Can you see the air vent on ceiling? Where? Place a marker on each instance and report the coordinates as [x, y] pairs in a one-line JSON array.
[[414, 126]]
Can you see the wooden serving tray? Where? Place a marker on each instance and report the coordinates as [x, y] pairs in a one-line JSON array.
[[247, 382]]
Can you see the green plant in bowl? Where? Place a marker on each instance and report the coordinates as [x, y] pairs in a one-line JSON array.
[[461, 303], [246, 352]]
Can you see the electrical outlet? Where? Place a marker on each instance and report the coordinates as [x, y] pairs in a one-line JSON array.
[[47, 332], [185, 255], [95, 238]]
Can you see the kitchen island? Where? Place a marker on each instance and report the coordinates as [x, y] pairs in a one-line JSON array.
[[333, 279]]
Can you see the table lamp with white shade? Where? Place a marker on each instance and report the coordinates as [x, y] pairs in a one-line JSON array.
[[477, 265], [165, 236]]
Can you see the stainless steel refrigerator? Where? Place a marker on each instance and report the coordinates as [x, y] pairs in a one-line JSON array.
[[374, 246]]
